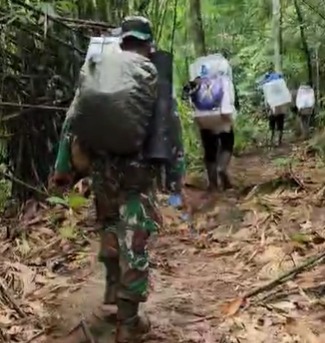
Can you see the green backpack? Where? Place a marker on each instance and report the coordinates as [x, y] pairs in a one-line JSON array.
[[115, 103]]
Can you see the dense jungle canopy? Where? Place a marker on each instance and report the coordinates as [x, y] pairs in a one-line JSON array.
[[43, 46], [244, 265]]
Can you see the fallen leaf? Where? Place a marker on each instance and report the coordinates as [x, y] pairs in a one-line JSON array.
[[300, 238], [231, 308], [68, 232], [57, 201], [29, 210], [284, 306]]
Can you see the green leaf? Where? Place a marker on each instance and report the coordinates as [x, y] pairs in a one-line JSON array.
[[300, 238], [24, 247], [68, 232], [281, 162], [76, 201], [57, 201]]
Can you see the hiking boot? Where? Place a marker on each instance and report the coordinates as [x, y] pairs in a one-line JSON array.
[[110, 293], [132, 330], [130, 325], [112, 278], [109, 307], [224, 161], [280, 138], [224, 179], [212, 176]]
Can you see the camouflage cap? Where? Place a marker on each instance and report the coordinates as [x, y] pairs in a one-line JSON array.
[[137, 27]]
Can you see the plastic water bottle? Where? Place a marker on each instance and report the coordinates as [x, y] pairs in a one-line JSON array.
[[204, 70]]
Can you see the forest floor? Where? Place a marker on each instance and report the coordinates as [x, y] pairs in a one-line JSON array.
[[206, 277]]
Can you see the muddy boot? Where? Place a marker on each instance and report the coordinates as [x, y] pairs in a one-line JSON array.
[[109, 308], [212, 176], [305, 119], [110, 292], [224, 161], [130, 326], [112, 278], [272, 139], [280, 138]]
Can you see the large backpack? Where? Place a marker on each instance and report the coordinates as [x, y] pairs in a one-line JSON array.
[[115, 103], [305, 99], [213, 64], [209, 94]]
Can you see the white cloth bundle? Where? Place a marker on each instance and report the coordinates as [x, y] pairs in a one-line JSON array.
[[305, 97]]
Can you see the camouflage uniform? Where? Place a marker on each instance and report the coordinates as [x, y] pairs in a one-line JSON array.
[[127, 213]]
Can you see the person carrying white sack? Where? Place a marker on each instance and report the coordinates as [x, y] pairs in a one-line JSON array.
[[277, 99], [304, 107], [212, 95]]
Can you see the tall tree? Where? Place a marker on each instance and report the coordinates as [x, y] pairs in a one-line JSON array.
[[304, 42], [277, 33], [196, 27]]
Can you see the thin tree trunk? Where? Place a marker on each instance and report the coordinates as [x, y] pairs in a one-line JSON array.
[[280, 35], [276, 5], [304, 42], [196, 27], [317, 83]]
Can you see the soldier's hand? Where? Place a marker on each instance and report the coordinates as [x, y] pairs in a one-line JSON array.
[[83, 187], [60, 180]]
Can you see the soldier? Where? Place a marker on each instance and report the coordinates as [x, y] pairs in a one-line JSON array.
[[126, 210]]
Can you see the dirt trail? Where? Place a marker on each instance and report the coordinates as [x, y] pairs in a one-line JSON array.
[[245, 238], [194, 274]]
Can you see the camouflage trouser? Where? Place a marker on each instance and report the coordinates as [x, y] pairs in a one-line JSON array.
[[173, 173], [127, 210]]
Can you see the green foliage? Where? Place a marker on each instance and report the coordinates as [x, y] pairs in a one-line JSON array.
[[191, 140], [240, 27], [5, 190], [317, 144], [72, 201]]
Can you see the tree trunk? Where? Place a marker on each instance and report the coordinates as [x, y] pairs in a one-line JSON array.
[[196, 27], [276, 5], [304, 42]]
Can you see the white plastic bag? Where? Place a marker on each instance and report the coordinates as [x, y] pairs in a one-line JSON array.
[[213, 65], [276, 93], [97, 47], [102, 45], [305, 97]]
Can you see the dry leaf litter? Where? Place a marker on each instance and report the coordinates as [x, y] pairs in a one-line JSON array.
[[215, 278]]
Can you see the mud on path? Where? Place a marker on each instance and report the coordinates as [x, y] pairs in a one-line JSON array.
[[240, 240]]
